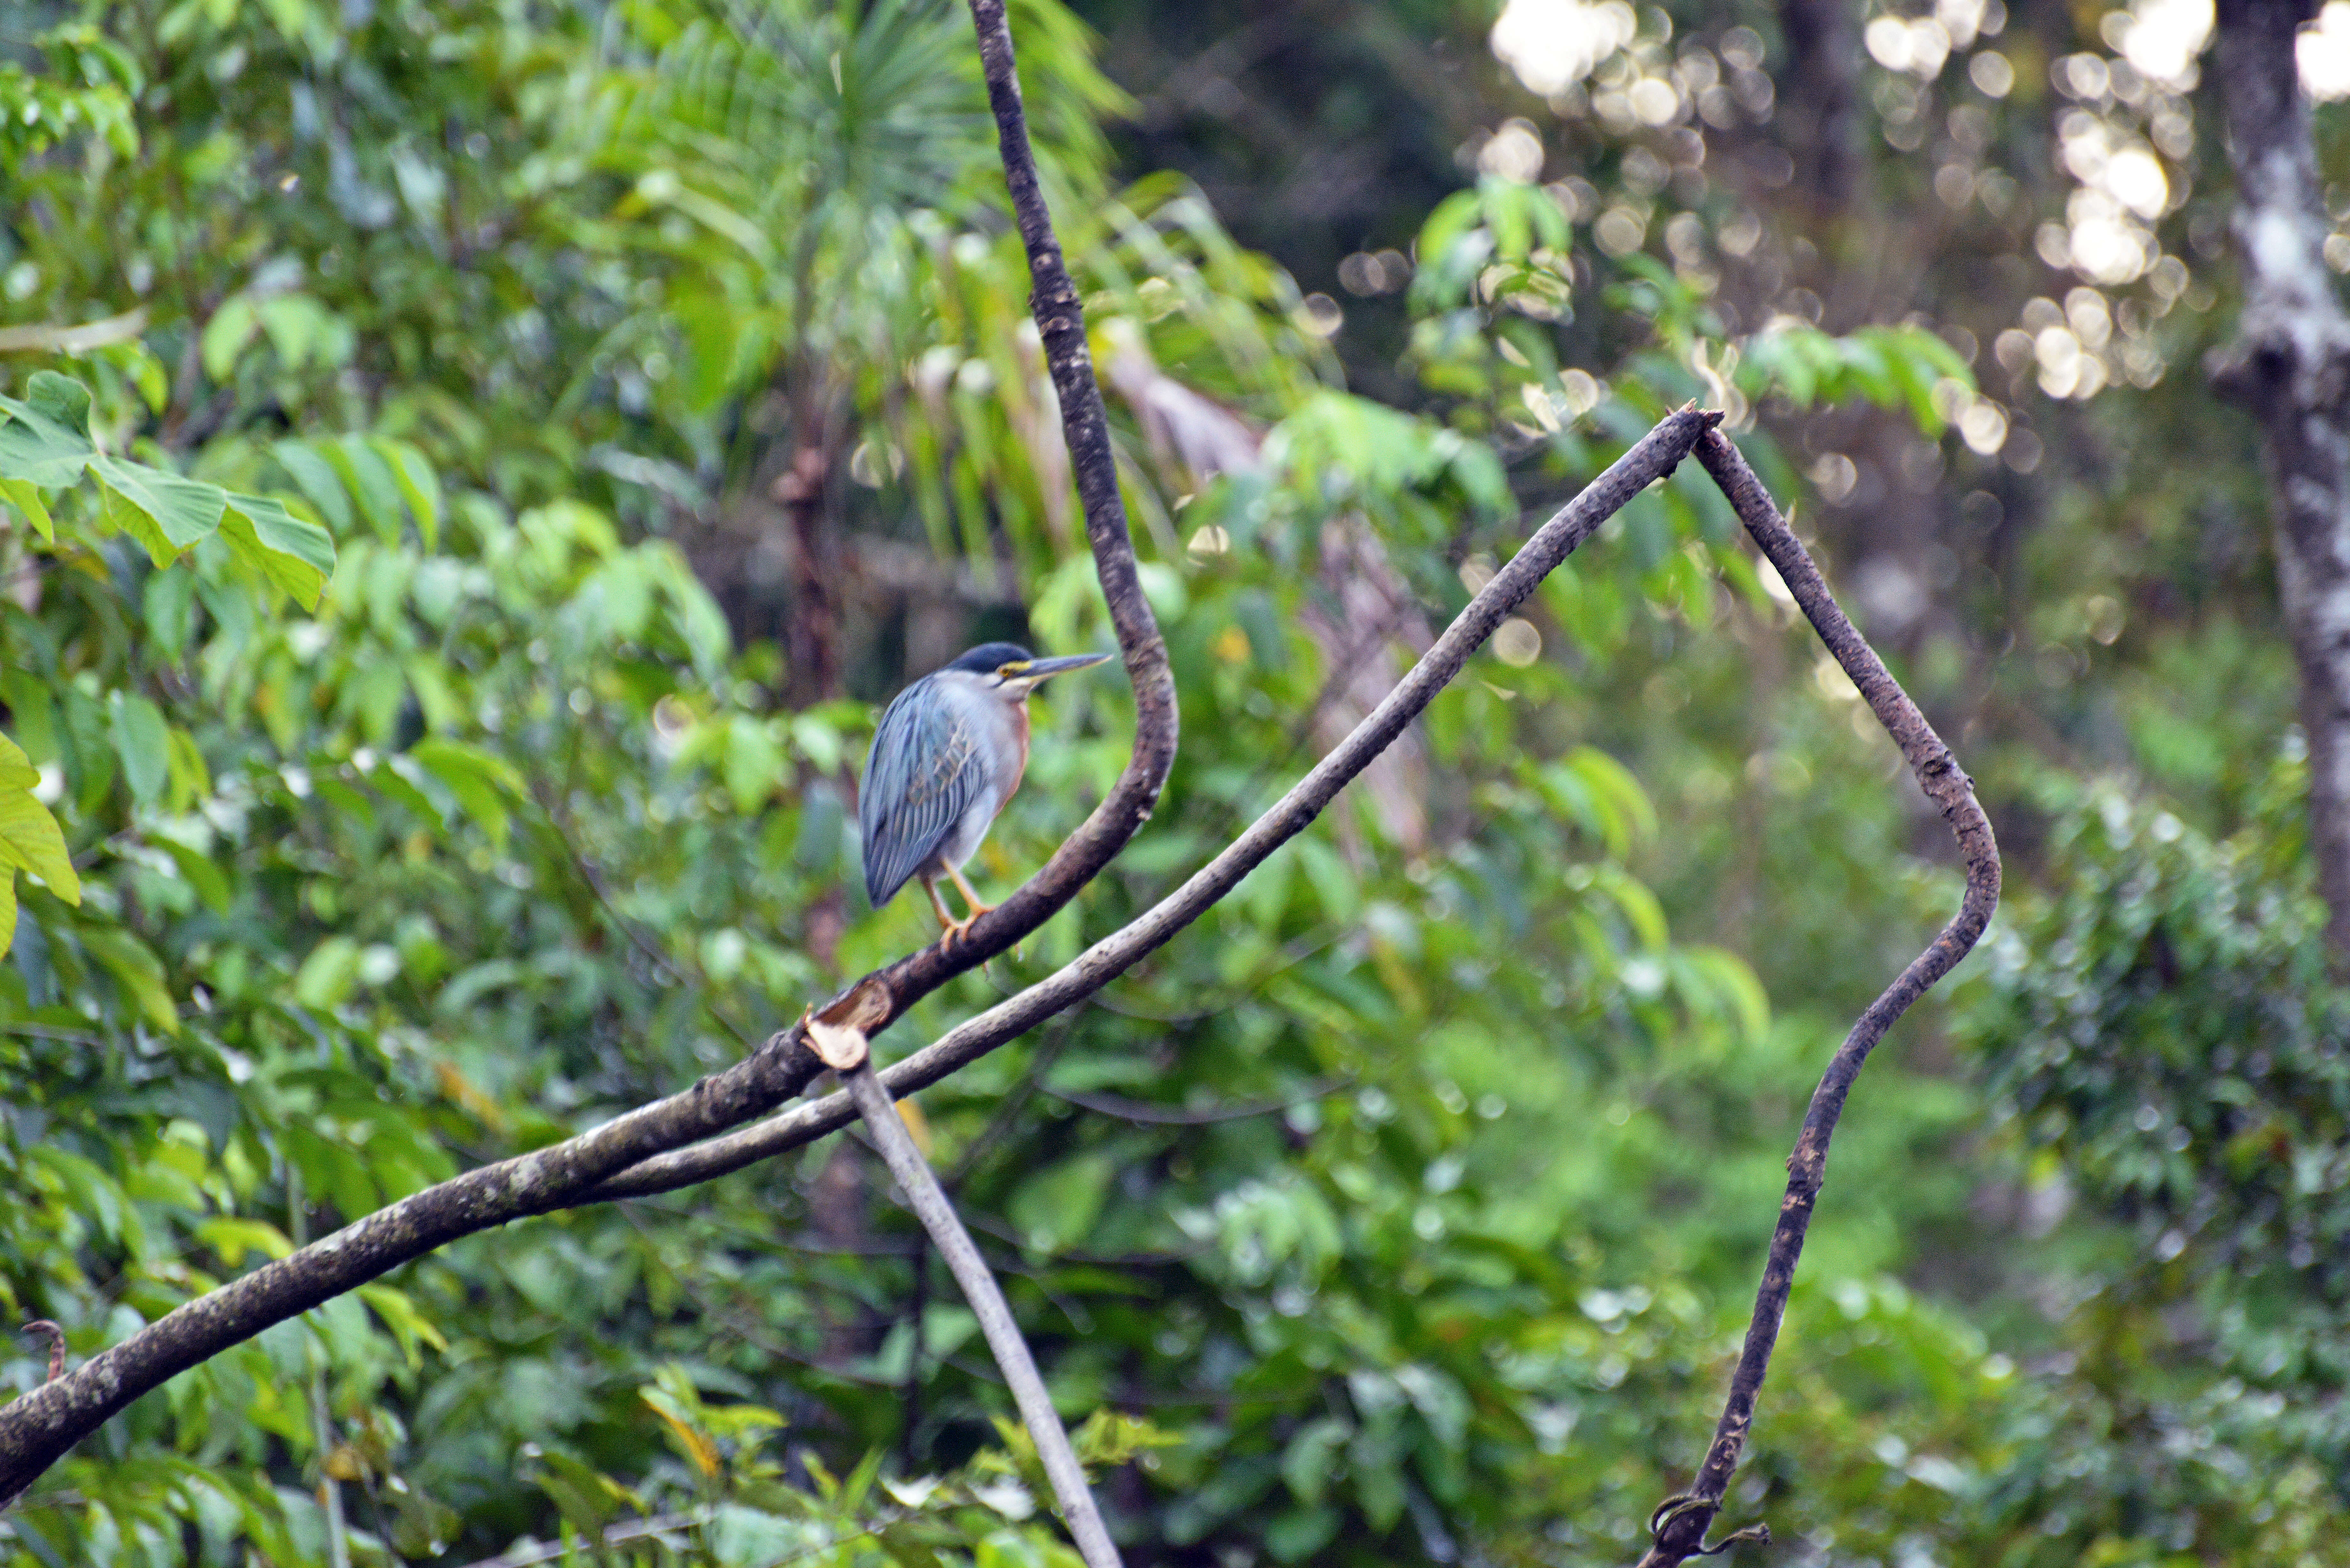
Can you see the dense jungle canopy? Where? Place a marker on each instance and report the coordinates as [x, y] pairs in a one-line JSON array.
[[475, 468]]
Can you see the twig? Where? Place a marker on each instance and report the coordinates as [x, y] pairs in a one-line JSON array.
[[748, 1329], [1288, 956], [48, 338], [322, 1418], [1152, 1115], [1080, 1320], [43, 1031], [1680, 1523], [56, 1338], [917, 1307], [1007, 1110], [929, 1201], [645, 946]]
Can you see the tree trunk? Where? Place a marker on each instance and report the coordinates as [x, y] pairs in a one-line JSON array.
[[812, 632], [1817, 104], [2289, 365]]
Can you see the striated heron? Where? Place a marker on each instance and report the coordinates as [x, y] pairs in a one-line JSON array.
[[947, 754]]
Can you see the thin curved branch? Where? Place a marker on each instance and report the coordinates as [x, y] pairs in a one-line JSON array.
[[1681, 1522], [38, 1428], [1656, 455], [931, 1205]]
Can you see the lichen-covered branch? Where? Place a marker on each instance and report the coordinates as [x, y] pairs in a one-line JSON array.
[[2289, 365]]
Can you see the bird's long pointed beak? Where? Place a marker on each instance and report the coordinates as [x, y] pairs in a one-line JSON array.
[[1038, 669]]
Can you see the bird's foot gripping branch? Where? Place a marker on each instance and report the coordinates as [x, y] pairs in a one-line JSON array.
[[714, 1127]]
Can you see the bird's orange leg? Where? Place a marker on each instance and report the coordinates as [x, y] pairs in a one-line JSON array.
[[979, 906], [938, 905], [955, 928]]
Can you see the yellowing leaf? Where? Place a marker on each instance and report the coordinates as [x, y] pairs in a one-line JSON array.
[[698, 1449], [328, 975], [16, 769], [25, 497], [408, 1324]]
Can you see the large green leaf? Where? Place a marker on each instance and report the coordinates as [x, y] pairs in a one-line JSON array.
[[296, 555], [137, 971], [371, 483], [419, 485], [162, 511], [318, 481], [45, 444], [482, 781], [1056, 1208], [25, 496], [143, 741]]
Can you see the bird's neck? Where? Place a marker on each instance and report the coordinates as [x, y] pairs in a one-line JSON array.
[[1019, 745]]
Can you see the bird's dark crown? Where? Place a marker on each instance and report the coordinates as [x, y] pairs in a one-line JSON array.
[[990, 656]]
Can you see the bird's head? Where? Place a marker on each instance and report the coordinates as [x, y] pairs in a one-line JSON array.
[[1011, 670]]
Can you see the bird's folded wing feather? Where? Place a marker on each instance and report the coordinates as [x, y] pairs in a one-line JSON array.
[[925, 770]]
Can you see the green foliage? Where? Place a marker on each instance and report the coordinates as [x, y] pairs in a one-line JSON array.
[[2164, 1027], [46, 445], [86, 92], [394, 794], [1894, 368]]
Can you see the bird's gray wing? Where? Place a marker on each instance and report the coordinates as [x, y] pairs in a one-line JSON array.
[[924, 772]]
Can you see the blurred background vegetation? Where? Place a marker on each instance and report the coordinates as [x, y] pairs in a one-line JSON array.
[[660, 370]]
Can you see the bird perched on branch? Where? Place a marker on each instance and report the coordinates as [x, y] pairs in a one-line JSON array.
[[947, 754]]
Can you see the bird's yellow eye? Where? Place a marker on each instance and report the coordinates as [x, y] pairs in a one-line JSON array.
[[1009, 671]]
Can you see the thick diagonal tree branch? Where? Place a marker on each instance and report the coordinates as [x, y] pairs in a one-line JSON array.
[[1680, 1523], [38, 1428]]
